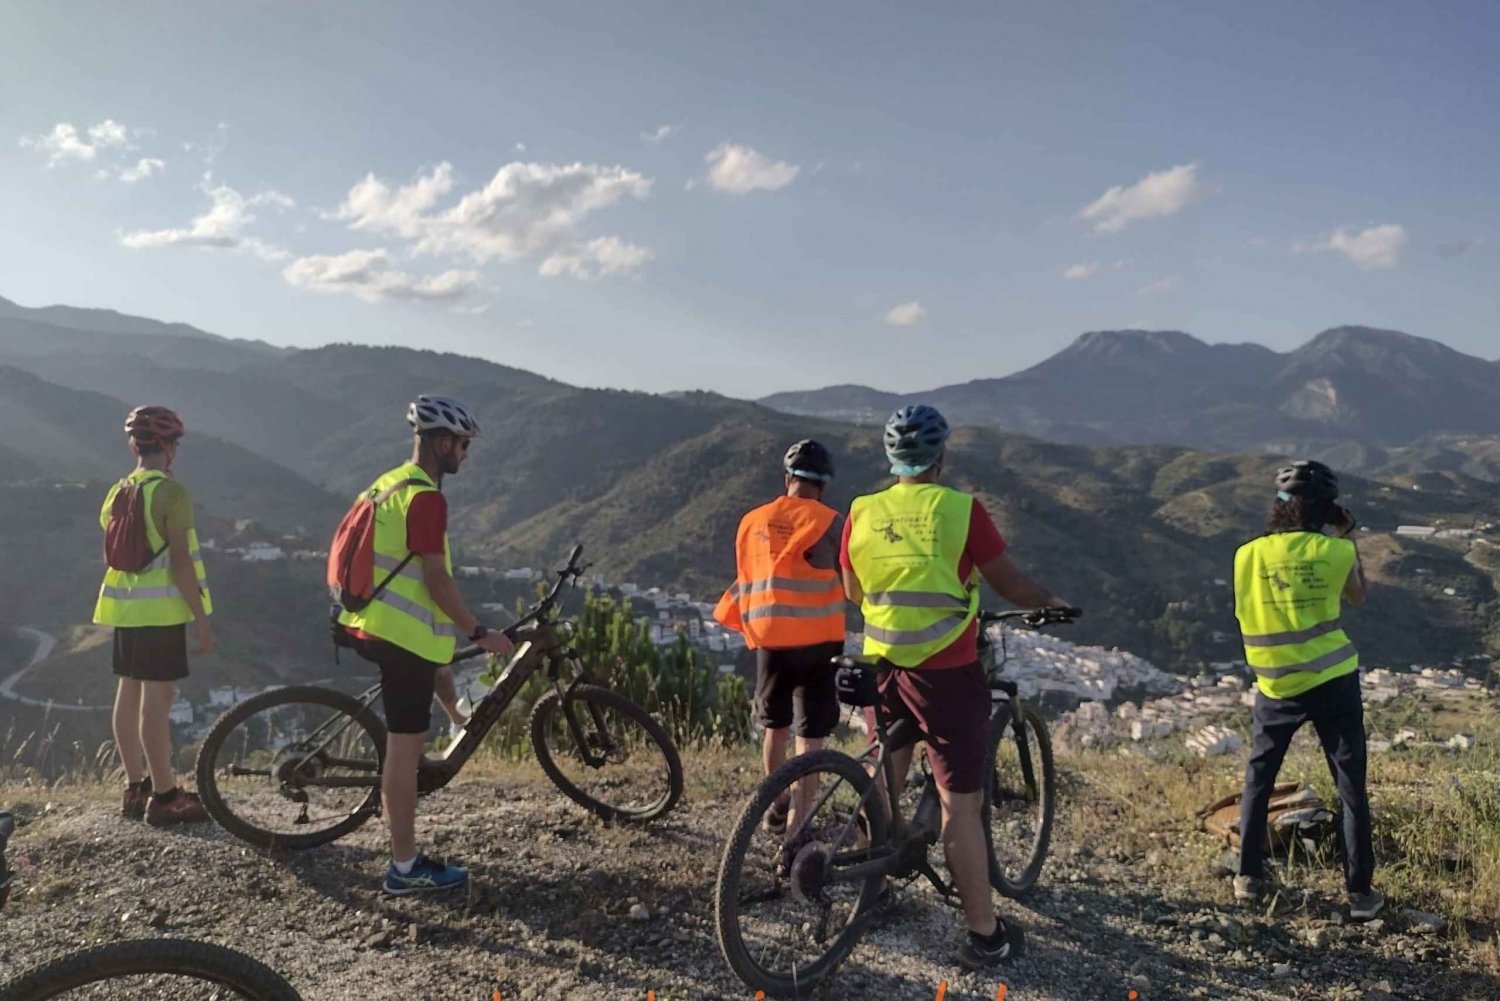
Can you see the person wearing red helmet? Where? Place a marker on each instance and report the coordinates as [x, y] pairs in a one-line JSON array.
[[154, 585]]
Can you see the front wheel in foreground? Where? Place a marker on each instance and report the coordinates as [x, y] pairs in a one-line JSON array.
[[293, 768], [1020, 801], [789, 904], [606, 754], [152, 968]]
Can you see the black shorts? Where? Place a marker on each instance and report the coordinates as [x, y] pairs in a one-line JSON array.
[[795, 688], [151, 653], [406, 684]]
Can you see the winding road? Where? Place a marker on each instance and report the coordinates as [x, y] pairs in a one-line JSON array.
[[45, 643]]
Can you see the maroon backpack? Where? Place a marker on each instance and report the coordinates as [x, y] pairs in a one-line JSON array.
[[127, 546]]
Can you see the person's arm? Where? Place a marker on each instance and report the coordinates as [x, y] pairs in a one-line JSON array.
[[852, 589], [1012, 584], [185, 576], [444, 591], [1355, 589]]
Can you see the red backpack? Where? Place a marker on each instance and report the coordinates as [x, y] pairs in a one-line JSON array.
[[127, 546], [351, 557]]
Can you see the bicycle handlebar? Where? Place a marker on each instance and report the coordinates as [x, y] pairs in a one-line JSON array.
[[571, 572], [1035, 618]]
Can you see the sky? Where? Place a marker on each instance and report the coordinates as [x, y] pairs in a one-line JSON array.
[[761, 197]]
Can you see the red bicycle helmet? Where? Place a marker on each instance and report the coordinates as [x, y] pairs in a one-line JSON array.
[[153, 424]]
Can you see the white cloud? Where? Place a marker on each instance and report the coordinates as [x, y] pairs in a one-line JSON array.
[[520, 147], [478, 309], [906, 315], [606, 255], [1086, 270], [109, 133], [144, 168], [222, 226], [61, 145], [526, 210], [740, 169], [369, 275], [660, 133], [1161, 193], [1370, 248], [1162, 285]]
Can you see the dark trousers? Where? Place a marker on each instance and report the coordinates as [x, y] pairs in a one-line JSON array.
[[1337, 714]]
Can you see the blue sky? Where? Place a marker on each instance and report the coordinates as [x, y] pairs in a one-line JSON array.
[[758, 197]]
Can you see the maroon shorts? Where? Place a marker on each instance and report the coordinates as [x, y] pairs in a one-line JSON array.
[[952, 707]]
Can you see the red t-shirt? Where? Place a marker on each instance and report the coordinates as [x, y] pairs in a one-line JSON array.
[[427, 522], [983, 544]]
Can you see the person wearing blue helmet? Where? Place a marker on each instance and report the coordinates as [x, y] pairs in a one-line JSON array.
[[913, 557]]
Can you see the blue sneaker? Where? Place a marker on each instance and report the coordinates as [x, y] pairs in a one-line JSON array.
[[426, 876]]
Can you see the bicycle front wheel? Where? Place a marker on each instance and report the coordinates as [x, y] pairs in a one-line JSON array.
[[151, 968], [1020, 800], [789, 903], [293, 768], [606, 754]]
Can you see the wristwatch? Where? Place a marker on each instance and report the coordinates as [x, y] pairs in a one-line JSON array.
[[480, 632]]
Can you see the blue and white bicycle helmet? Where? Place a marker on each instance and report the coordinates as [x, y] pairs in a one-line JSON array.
[[914, 439]]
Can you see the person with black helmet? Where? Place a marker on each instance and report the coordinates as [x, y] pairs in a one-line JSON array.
[[1289, 586], [788, 601]]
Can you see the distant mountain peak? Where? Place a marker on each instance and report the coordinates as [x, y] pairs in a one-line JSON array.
[[1116, 343]]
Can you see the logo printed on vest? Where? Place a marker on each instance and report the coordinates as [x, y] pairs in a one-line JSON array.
[[889, 531]]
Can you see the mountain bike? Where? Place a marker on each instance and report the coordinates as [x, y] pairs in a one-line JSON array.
[[791, 908], [292, 768], [142, 968], [1020, 787]]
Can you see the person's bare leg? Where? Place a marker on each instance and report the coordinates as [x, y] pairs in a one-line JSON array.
[[126, 720], [447, 695], [773, 748], [398, 791], [968, 858], [806, 790], [156, 732]]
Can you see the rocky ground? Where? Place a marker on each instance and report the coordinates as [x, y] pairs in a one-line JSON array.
[[562, 906]]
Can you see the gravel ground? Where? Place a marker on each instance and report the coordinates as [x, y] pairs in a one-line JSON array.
[[552, 911]]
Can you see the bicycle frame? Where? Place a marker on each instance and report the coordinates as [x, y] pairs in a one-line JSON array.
[[904, 853], [540, 644]]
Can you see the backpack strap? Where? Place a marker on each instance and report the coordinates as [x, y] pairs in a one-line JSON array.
[[141, 485], [381, 498]]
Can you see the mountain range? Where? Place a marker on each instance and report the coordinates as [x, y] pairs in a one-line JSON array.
[[1377, 388], [654, 485]]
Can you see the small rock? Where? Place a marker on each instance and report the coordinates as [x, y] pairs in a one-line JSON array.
[[1281, 969], [640, 912], [413, 934], [1424, 923]]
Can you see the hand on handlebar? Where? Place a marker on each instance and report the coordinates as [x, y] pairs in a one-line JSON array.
[[497, 642]]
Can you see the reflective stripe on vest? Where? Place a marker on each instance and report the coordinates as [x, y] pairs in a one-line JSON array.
[[1288, 589], [780, 599], [905, 544], [150, 597], [404, 613]]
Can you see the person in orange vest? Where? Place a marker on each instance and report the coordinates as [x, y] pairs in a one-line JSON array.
[[788, 601]]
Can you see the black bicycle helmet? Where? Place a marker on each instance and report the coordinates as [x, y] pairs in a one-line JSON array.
[[1307, 478], [914, 439], [808, 460]]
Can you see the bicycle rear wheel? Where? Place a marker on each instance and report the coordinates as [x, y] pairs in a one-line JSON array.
[[293, 768], [618, 763], [785, 918], [160, 968], [1020, 800]]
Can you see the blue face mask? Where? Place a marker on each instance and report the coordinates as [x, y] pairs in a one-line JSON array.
[[1282, 495]]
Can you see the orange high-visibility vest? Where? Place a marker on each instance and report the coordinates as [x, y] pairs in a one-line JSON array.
[[781, 600]]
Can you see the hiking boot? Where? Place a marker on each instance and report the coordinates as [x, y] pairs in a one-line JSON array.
[[1005, 944], [182, 808], [133, 800], [1248, 888], [1364, 906], [775, 819], [427, 875]]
